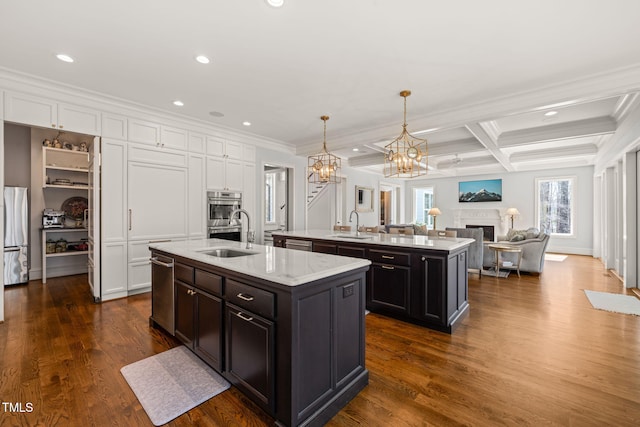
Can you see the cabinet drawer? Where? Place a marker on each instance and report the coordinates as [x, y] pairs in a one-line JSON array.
[[389, 257], [250, 298], [184, 273], [209, 282]]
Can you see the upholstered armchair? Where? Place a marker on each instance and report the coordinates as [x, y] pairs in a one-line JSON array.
[[533, 250], [475, 258]]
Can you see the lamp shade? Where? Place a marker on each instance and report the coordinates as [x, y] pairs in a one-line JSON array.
[[434, 212], [513, 211]]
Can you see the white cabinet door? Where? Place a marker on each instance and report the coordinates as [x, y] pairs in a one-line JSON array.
[[114, 126], [144, 132], [114, 270], [114, 191], [249, 153], [79, 119], [197, 143], [215, 173], [233, 150], [173, 138], [31, 110], [157, 201], [215, 146], [197, 197], [233, 175]]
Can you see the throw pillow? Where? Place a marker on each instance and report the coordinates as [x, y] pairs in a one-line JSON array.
[[532, 233], [517, 238], [420, 229]]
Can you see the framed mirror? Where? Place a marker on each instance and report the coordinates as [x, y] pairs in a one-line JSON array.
[[364, 199]]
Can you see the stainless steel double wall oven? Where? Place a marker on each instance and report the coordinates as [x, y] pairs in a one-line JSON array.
[[220, 204]]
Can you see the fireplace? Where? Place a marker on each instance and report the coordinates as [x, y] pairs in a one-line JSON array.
[[494, 221], [488, 231]]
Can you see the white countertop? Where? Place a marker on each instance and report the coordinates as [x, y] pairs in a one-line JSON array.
[[285, 266], [418, 242]]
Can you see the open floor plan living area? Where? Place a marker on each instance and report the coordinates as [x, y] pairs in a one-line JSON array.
[[299, 214]]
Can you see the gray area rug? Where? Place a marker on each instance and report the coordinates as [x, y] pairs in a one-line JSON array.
[[501, 273], [172, 382], [616, 303]]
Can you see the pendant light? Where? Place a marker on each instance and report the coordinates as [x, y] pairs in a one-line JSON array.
[[405, 156], [324, 167]]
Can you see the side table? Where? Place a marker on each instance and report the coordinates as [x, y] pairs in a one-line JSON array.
[[503, 248]]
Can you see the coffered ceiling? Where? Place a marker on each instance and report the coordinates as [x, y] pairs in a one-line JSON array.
[[483, 74]]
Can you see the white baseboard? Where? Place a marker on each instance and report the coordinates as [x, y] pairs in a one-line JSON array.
[[570, 250], [36, 273]]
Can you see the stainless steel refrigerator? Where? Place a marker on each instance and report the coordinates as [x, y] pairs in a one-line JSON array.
[[16, 235]]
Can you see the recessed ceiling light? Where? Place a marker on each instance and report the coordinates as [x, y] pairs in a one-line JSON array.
[[246, 123], [178, 103], [216, 114], [63, 57], [550, 113], [355, 149], [202, 59], [275, 3]]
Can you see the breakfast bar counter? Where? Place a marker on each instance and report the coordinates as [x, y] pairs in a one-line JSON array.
[[285, 327]]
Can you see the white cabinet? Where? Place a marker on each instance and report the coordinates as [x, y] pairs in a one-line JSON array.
[[220, 147], [197, 142], [146, 132], [224, 174], [114, 191], [197, 197], [157, 201], [42, 112], [114, 270], [249, 195], [114, 126]]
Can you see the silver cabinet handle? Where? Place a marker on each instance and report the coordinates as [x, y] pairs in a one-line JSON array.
[[388, 257], [154, 260], [388, 267], [243, 317], [129, 219], [246, 298]]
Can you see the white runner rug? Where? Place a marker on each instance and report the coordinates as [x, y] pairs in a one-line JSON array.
[[171, 383], [617, 303]]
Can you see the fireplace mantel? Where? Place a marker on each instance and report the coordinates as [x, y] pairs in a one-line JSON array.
[[482, 216]]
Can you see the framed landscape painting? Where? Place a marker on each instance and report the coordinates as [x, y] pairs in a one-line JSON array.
[[487, 190]]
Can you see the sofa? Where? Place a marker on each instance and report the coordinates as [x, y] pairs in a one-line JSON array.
[[476, 249], [533, 244]]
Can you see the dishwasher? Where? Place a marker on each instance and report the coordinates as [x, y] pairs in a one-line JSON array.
[[162, 307]]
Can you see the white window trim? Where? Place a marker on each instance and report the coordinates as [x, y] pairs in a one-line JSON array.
[[574, 202], [413, 200]]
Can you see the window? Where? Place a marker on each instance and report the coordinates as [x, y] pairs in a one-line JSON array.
[[270, 198], [422, 202], [555, 204]]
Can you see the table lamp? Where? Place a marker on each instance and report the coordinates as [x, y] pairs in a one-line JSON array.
[[434, 212], [512, 212]]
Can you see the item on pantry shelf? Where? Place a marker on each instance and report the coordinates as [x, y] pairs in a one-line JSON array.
[[83, 146], [56, 143], [61, 245], [47, 143], [74, 207], [51, 246], [68, 146]]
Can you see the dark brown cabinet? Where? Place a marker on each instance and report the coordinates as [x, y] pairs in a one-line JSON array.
[[424, 286], [250, 354], [198, 320]]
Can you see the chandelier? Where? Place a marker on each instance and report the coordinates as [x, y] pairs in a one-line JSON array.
[[405, 156], [323, 167]]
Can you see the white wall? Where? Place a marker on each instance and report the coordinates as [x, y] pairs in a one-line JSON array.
[[518, 191]]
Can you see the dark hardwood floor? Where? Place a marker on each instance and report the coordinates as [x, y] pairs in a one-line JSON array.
[[531, 352]]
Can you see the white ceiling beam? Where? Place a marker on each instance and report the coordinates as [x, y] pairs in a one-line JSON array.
[[538, 155], [484, 137], [575, 129]]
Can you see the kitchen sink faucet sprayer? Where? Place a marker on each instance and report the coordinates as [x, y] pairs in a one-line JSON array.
[[250, 234], [357, 221]]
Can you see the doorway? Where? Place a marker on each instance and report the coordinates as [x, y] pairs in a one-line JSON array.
[[389, 204], [277, 208]]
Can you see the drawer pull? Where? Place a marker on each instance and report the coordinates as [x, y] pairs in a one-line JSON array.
[[388, 257], [388, 267], [245, 297], [243, 317]]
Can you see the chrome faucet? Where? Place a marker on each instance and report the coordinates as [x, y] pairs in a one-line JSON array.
[[357, 221], [250, 234]]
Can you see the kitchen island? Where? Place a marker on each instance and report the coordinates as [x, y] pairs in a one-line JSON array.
[[286, 327], [418, 279]]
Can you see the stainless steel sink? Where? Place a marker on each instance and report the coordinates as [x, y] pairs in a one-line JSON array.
[[226, 252], [350, 236]]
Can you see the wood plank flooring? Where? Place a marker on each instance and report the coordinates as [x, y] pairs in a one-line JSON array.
[[532, 352]]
